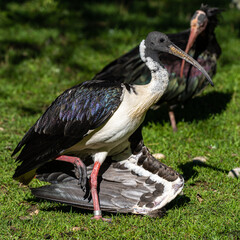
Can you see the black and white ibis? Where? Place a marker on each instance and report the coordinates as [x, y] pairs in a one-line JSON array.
[[95, 119], [184, 81]]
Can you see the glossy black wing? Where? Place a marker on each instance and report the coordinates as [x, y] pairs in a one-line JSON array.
[[81, 108], [66, 121], [129, 68]]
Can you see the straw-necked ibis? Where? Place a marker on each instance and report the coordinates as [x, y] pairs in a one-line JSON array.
[[96, 119]]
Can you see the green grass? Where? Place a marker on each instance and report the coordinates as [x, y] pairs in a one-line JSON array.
[[47, 46]]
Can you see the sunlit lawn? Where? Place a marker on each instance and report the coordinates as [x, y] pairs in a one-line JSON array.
[[46, 47]]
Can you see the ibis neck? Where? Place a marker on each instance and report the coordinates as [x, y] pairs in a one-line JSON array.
[[137, 102], [159, 75]]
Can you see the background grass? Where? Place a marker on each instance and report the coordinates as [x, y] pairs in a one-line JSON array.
[[47, 46]]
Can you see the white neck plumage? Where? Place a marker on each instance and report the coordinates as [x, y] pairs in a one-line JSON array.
[[159, 75]]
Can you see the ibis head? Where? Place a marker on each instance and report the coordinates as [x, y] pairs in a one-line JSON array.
[[157, 42], [198, 24]]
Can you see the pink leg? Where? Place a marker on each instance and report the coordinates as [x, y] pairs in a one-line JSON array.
[[172, 120], [93, 185], [80, 168]]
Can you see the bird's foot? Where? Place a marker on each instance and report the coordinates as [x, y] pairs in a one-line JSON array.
[[99, 217], [80, 169]]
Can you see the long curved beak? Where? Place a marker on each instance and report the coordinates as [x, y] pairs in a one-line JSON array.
[[173, 49], [198, 24], [192, 37]]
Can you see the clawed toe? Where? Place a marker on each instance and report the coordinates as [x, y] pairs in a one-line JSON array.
[[80, 171]]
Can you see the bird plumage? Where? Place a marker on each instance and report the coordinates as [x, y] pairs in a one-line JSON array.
[[139, 185]]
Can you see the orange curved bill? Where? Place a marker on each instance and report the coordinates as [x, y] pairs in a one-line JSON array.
[[198, 24], [192, 37]]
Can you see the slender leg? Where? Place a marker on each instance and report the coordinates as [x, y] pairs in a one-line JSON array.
[[93, 185], [172, 120], [80, 168]]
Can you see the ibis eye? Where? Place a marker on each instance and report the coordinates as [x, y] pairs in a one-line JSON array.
[[161, 40]]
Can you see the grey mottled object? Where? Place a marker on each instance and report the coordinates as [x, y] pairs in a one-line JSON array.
[[139, 185]]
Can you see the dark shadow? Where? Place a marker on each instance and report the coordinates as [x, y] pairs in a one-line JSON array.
[[189, 171], [178, 202], [63, 208], [234, 234], [196, 109], [23, 50], [91, 21], [29, 111], [68, 208]]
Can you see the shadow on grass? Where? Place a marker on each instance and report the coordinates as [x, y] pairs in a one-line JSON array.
[[64, 208], [231, 234], [74, 21], [178, 202], [29, 111], [80, 17], [189, 171], [196, 109], [23, 50]]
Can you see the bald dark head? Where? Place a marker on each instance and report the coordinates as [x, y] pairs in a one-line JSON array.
[[157, 41]]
